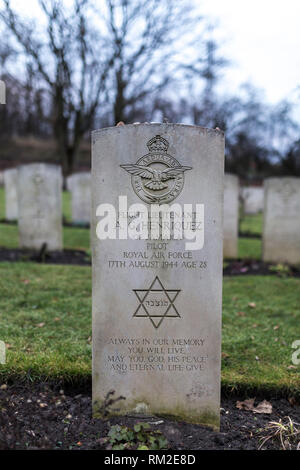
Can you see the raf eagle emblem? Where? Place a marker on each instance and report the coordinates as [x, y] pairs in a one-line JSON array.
[[157, 177]]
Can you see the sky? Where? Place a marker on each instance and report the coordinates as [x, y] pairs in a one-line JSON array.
[[261, 39]]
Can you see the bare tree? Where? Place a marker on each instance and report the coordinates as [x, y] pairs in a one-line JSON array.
[[148, 39], [67, 58], [124, 57], [206, 69]]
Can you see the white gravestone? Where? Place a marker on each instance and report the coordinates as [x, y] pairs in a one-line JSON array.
[[11, 194], [40, 206], [69, 180], [80, 187], [157, 302], [231, 216], [281, 232], [253, 199]]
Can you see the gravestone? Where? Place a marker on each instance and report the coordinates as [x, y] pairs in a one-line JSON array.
[[281, 231], [253, 199], [231, 216], [80, 187], [157, 300], [11, 194], [40, 206], [1, 178], [69, 180]]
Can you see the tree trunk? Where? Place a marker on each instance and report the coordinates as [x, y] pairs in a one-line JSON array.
[[120, 102]]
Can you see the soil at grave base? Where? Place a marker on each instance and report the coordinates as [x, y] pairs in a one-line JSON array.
[[43, 416], [81, 258]]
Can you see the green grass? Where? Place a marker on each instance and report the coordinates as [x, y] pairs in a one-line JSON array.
[[258, 340], [46, 319], [73, 238], [66, 205], [76, 238], [9, 236], [250, 248], [58, 297], [252, 224]]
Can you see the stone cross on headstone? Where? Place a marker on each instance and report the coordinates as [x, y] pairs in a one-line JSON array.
[[157, 300]]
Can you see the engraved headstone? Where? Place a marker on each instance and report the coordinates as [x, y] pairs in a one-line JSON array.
[[253, 199], [11, 194], [157, 300], [40, 206], [231, 216], [80, 188], [281, 232]]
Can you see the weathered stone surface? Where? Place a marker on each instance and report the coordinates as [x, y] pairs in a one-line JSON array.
[[231, 216], [157, 303], [11, 194], [40, 206], [281, 232], [253, 198], [80, 187], [69, 180]]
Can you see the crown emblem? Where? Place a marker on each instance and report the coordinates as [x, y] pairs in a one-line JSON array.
[[158, 144]]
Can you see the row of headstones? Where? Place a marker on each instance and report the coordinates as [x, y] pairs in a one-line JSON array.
[[33, 196], [281, 220]]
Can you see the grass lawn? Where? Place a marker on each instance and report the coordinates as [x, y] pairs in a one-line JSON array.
[[66, 205], [73, 238], [250, 248], [45, 317], [252, 224]]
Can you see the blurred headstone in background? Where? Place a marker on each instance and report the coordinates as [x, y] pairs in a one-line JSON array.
[[231, 216], [40, 206], [80, 188], [11, 194], [253, 199], [281, 232], [69, 180]]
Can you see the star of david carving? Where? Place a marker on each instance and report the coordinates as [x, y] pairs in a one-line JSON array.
[[156, 303]]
